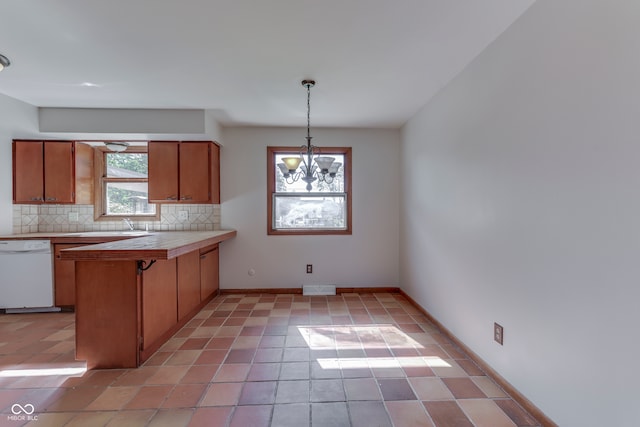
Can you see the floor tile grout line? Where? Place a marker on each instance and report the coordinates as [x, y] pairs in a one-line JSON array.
[[393, 306]]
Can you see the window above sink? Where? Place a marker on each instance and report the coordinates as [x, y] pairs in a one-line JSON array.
[[121, 185]]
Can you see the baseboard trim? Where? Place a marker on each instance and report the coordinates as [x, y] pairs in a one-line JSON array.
[[385, 289], [296, 291], [261, 291], [506, 386]]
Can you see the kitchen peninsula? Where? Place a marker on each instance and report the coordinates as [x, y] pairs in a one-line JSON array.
[[132, 295]]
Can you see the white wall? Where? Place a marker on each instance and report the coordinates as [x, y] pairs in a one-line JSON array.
[[17, 120], [369, 257], [521, 205]]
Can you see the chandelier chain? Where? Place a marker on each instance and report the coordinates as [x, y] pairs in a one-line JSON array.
[[308, 111]]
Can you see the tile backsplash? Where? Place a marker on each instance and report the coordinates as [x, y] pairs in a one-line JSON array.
[[57, 219]]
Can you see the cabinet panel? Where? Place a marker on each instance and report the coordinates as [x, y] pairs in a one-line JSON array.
[[195, 178], [209, 275], [188, 283], [64, 276], [84, 174], [107, 314], [28, 177], [215, 173], [59, 179], [159, 300], [163, 171]]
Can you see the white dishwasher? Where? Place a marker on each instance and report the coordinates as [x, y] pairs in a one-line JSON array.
[[26, 276]]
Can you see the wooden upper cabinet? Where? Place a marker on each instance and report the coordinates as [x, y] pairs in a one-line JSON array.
[[163, 171], [43, 172], [59, 179], [195, 172], [215, 173], [184, 172], [28, 172], [84, 174]]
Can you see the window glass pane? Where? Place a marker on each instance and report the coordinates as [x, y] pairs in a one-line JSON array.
[[315, 211], [127, 165], [128, 198], [330, 185]]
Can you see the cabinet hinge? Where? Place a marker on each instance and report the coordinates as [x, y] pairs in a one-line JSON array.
[[141, 339]]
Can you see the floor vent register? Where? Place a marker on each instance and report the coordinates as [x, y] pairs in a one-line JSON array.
[[318, 289]]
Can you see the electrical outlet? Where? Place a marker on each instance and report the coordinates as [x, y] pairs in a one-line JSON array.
[[309, 268], [73, 216], [183, 215], [498, 333]]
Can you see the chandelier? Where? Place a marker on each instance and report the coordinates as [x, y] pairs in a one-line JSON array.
[[314, 167], [4, 62]]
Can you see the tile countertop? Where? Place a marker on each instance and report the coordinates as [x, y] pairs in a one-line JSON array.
[[77, 237], [131, 245]]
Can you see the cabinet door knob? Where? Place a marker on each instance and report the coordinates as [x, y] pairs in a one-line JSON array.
[[172, 198], [186, 198]]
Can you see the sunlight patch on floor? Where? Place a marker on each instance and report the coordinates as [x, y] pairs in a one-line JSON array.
[[381, 362], [69, 371], [350, 336]]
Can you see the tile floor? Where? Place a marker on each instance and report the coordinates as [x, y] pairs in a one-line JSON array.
[[258, 360]]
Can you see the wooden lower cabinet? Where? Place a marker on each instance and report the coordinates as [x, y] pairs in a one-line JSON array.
[[124, 315], [188, 283], [159, 302], [107, 314], [64, 276], [209, 266]]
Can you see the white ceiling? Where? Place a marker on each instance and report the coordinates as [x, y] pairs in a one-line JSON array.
[[376, 62]]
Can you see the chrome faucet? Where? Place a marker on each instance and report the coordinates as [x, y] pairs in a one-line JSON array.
[[129, 223]]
